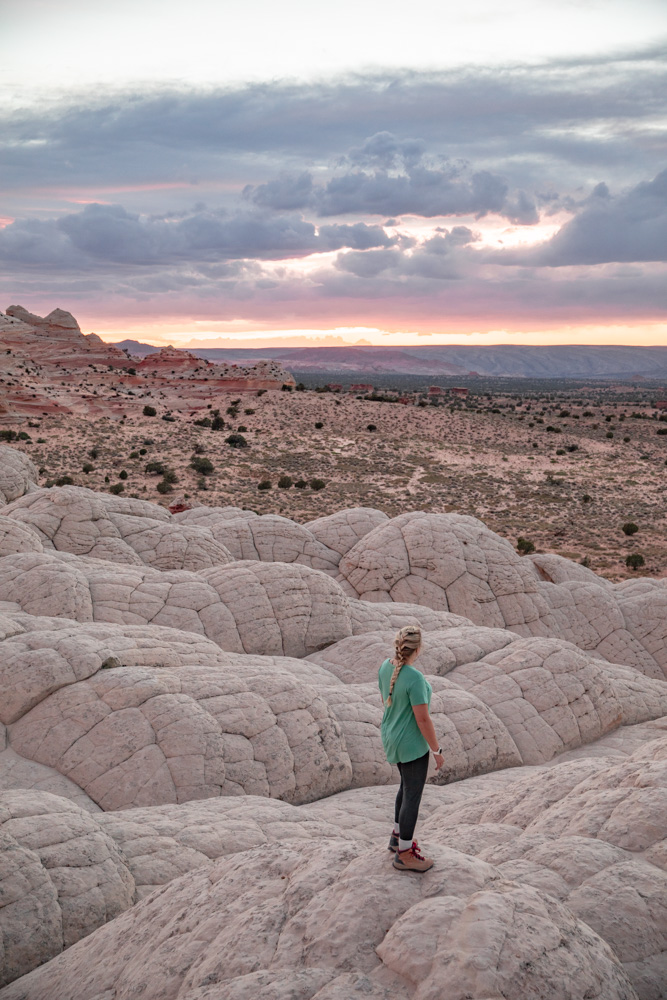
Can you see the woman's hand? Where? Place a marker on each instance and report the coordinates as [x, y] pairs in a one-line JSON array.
[[439, 760]]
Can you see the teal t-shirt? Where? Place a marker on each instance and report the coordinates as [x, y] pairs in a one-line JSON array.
[[401, 736]]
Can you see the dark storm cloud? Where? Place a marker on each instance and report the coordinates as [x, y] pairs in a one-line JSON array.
[[631, 227], [100, 235], [532, 125]]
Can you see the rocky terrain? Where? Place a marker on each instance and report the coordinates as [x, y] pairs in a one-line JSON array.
[[48, 366], [194, 802], [567, 472]]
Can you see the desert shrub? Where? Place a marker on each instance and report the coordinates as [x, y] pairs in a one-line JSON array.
[[317, 484], [608, 418], [168, 417], [248, 411], [587, 498], [7, 435], [24, 436], [122, 474], [286, 388], [319, 425], [242, 429], [106, 479], [204, 422], [560, 451], [65, 481], [587, 413], [204, 466], [300, 387], [87, 467], [626, 439], [609, 434], [131, 371], [236, 441], [264, 485], [41, 440], [149, 411], [630, 528], [564, 413], [232, 410], [217, 424], [554, 430], [260, 392], [199, 449], [586, 561], [634, 560], [285, 482], [524, 545], [572, 447], [371, 427], [156, 468], [300, 484], [164, 487], [170, 476], [142, 451], [116, 488], [134, 454], [660, 430]]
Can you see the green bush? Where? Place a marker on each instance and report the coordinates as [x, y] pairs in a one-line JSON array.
[[156, 468], [524, 545], [65, 481], [204, 422], [87, 467], [264, 485], [204, 466], [249, 411], [242, 429], [149, 411], [168, 417], [170, 476], [134, 454], [319, 425], [300, 484], [634, 561], [560, 451], [24, 436], [232, 410], [116, 488], [286, 388], [587, 498], [371, 427], [7, 435], [317, 484], [122, 474], [285, 482], [609, 434], [236, 441], [164, 487], [217, 424], [630, 528]]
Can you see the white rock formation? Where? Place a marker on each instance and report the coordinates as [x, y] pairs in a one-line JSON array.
[[18, 474], [190, 754]]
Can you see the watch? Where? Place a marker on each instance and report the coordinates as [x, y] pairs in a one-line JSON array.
[[438, 751]]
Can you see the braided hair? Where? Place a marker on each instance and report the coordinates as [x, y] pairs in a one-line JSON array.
[[408, 639]]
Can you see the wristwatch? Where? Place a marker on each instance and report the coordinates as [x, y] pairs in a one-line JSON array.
[[437, 752]]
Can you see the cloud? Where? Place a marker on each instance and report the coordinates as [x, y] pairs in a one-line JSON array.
[[628, 228], [103, 235]]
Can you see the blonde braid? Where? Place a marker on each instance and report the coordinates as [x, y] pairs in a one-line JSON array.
[[407, 640]]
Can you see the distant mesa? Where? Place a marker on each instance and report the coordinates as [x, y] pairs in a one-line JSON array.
[[48, 366]]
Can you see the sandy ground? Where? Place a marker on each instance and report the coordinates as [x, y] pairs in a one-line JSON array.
[[494, 466]]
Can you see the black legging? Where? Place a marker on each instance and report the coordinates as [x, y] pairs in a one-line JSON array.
[[413, 779]]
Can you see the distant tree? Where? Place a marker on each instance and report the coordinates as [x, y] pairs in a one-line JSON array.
[[236, 441], [317, 484], [156, 468], [264, 485], [285, 482], [524, 545], [630, 528], [149, 411], [634, 561], [300, 484], [122, 474], [164, 487], [371, 427], [319, 425], [204, 466], [116, 488]]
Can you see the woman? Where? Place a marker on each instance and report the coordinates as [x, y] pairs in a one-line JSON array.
[[408, 737]]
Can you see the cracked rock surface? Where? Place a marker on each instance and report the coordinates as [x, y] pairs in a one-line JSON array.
[[194, 798]]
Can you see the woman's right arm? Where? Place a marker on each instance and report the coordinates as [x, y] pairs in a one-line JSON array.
[[427, 729]]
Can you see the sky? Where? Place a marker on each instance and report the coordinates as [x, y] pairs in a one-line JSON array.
[[225, 174]]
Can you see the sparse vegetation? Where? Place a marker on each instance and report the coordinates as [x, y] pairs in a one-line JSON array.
[[524, 545], [630, 528], [149, 411], [204, 466], [635, 561]]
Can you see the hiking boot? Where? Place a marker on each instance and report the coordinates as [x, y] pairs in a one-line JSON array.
[[411, 861], [393, 843]]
